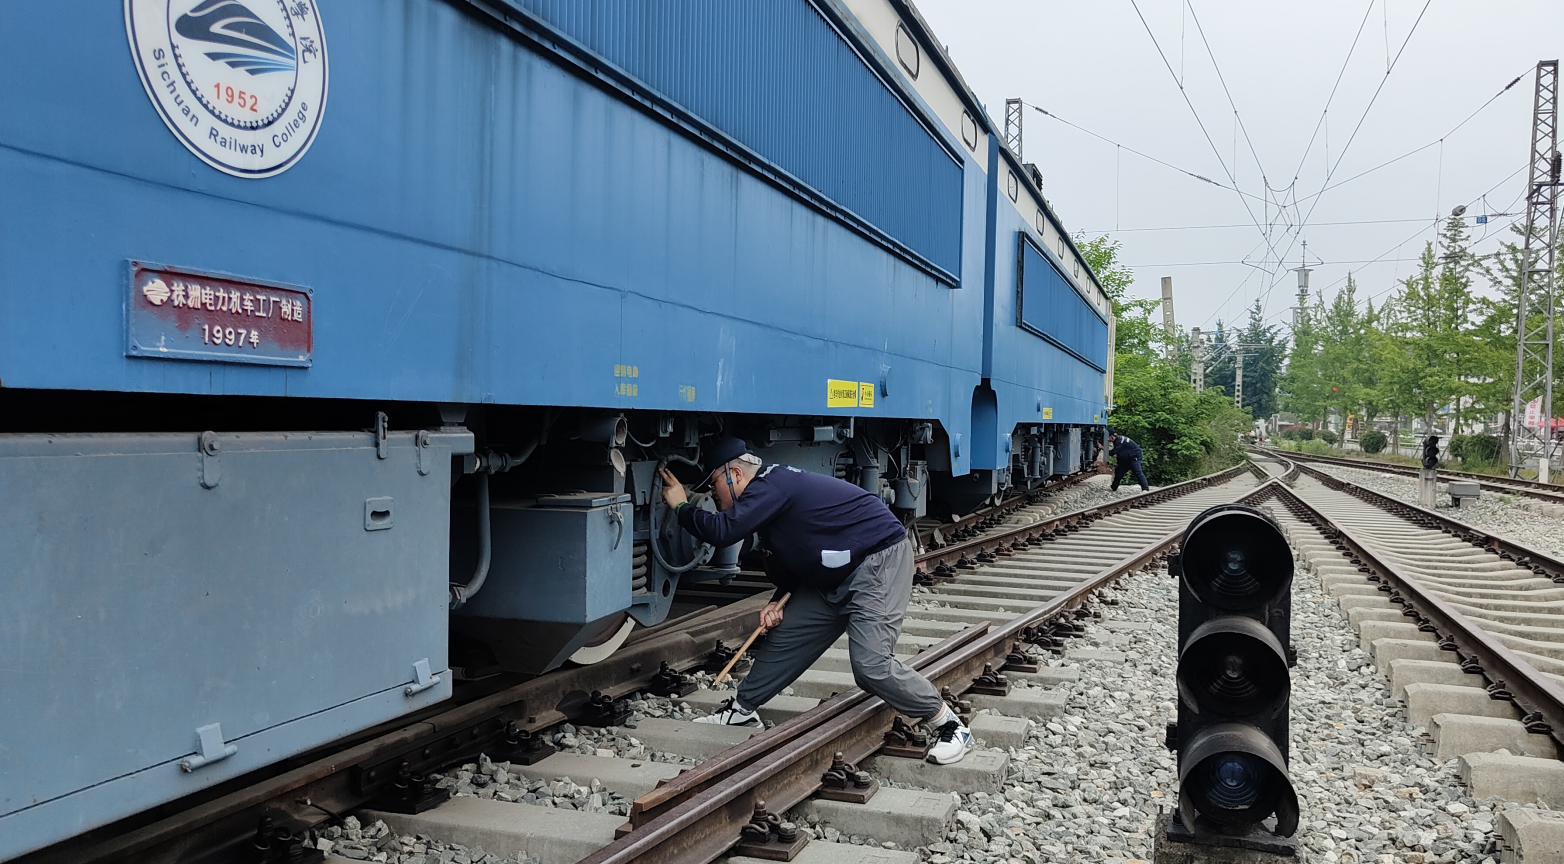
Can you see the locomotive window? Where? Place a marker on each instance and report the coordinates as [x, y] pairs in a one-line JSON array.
[[1011, 186], [1042, 224], [907, 51], [969, 131], [1049, 306]]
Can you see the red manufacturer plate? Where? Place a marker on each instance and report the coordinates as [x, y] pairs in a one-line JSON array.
[[183, 314]]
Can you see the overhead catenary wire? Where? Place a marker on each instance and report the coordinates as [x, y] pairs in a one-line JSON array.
[[1332, 97], [1228, 93], [1424, 222], [1440, 140], [1205, 132], [1142, 154], [1342, 153]]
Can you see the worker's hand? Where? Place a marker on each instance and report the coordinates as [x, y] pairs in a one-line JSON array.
[[673, 490], [770, 615]]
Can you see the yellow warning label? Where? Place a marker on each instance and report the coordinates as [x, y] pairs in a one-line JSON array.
[[1048, 413], [865, 394], [842, 394]]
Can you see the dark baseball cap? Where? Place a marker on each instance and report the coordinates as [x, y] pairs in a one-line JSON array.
[[717, 453]]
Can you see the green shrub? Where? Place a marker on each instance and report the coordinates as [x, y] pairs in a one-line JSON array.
[[1290, 433], [1314, 447], [1305, 434], [1458, 446], [1327, 436], [1373, 441], [1475, 451]]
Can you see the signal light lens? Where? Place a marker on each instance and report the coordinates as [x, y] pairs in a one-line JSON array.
[[1233, 559], [1237, 777], [1233, 667], [1235, 781]]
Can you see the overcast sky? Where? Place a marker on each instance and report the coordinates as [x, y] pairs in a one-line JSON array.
[[1094, 64]]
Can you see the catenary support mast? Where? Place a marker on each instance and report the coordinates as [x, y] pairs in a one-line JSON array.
[[1531, 432]]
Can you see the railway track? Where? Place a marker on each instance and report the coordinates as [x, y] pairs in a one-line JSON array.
[[934, 534], [1467, 625], [1546, 492]]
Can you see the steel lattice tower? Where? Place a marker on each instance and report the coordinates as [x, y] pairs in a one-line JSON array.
[[1013, 114], [1534, 302]]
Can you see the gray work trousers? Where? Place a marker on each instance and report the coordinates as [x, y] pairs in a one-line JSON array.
[[869, 606]]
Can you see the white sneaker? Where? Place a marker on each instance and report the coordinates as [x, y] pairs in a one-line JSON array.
[[732, 715], [955, 741]]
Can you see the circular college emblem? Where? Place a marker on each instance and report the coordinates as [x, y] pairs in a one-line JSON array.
[[241, 82]]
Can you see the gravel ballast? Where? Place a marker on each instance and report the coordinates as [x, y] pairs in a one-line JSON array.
[[1093, 785]]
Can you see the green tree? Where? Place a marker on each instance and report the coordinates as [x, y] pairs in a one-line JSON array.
[[1182, 433], [1134, 332], [1301, 385], [1262, 365]]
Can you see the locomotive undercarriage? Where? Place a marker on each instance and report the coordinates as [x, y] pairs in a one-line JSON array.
[[559, 544]]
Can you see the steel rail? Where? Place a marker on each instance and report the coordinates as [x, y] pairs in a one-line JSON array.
[[338, 782], [705, 822], [694, 780], [690, 782], [1537, 696], [1514, 486]]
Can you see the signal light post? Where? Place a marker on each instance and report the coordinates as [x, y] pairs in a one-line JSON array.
[[1428, 475], [1234, 691]]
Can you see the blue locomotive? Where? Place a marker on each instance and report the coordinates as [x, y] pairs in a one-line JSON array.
[[339, 342]]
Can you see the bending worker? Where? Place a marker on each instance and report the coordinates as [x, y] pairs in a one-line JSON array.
[[848, 563], [1127, 454]]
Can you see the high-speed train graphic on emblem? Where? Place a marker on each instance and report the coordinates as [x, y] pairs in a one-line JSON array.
[[241, 82]]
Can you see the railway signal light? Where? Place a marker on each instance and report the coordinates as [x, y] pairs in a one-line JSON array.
[[1235, 601], [1431, 451]]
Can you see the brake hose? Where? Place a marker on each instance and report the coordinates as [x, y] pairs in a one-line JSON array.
[[706, 550]]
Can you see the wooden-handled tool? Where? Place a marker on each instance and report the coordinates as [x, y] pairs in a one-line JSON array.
[[747, 642]]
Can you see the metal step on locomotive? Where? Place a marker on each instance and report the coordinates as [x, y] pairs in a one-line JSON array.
[[342, 340]]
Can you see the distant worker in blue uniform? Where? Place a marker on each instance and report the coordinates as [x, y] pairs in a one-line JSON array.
[[848, 564], [1127, 456]]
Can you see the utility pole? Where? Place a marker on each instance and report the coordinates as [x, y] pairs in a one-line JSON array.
[[1168, 327], [1238, 377], [1534, 340], [1197, 369], [1303, 288], [1014, 110]]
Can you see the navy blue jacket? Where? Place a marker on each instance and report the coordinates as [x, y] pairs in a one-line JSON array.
[[1125, 449], [817, 528]]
